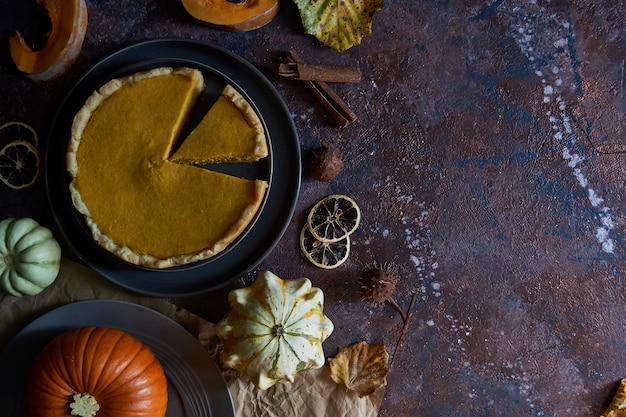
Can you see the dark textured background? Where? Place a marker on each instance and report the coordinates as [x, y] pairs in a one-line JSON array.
[[488, 162]]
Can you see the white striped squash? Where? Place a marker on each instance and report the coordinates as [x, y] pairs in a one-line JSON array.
[[30, 257], [274, 329]]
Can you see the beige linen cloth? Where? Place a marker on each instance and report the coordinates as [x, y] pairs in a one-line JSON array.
[[312, 394]]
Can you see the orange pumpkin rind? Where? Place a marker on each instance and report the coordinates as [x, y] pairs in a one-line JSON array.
[[69, 25], [230, 16], [120, 372]]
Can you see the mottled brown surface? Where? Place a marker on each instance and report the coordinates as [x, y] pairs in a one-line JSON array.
[[488, 164]]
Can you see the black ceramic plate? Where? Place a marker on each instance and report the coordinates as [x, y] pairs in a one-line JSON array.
[[282, 168], [194, 383]]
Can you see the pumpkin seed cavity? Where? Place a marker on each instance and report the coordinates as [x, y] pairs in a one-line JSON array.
[[20, 164]]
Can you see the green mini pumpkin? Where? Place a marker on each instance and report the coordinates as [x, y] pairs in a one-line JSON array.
[[274, 329], [30, 257]]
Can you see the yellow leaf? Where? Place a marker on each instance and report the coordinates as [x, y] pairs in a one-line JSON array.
[[339, 24], [617, 408], [360, 367]]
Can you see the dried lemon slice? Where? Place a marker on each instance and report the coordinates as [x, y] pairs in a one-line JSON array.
[[327, 255], [15, 130], [334, 218], [20, 164]]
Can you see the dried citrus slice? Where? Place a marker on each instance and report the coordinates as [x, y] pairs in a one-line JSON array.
[[327, 255], [15, 130], [334, 218], [20, 164]]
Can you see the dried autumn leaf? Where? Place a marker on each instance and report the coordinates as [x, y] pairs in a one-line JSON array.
[[339, 24], [361, 367], [617, 408]]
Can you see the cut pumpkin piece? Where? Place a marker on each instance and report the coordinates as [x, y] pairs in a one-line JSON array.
[[233, 15], [69, 24]]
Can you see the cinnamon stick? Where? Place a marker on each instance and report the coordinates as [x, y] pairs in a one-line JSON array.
[[327, 97], [314, 72]]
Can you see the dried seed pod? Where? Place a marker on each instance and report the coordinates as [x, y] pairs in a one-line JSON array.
[[326, 163], [378, 285]]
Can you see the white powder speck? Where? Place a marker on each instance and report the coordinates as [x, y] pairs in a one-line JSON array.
[[606, 218], [602, 234], [574, 159], [582, 180], [430, 323], [567, 125], [594, 198]]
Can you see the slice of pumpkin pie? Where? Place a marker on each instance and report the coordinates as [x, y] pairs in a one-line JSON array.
[[138, 204], [231, 131]]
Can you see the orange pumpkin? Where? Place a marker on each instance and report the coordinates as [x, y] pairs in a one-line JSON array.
[[69, 24], [233, 15], [91, 370]]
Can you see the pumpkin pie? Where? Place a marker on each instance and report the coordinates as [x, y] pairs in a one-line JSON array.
[[139, 204], [213, 141]]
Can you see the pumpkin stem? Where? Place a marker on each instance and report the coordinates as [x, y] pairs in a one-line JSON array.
[[84, 405], [8, 260], [278, 330]]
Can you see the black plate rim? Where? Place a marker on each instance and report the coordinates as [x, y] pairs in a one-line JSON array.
[[274, 217]]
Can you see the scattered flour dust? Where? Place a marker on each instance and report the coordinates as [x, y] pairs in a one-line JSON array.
[[416, 239], [415, 218], [542, 34]]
